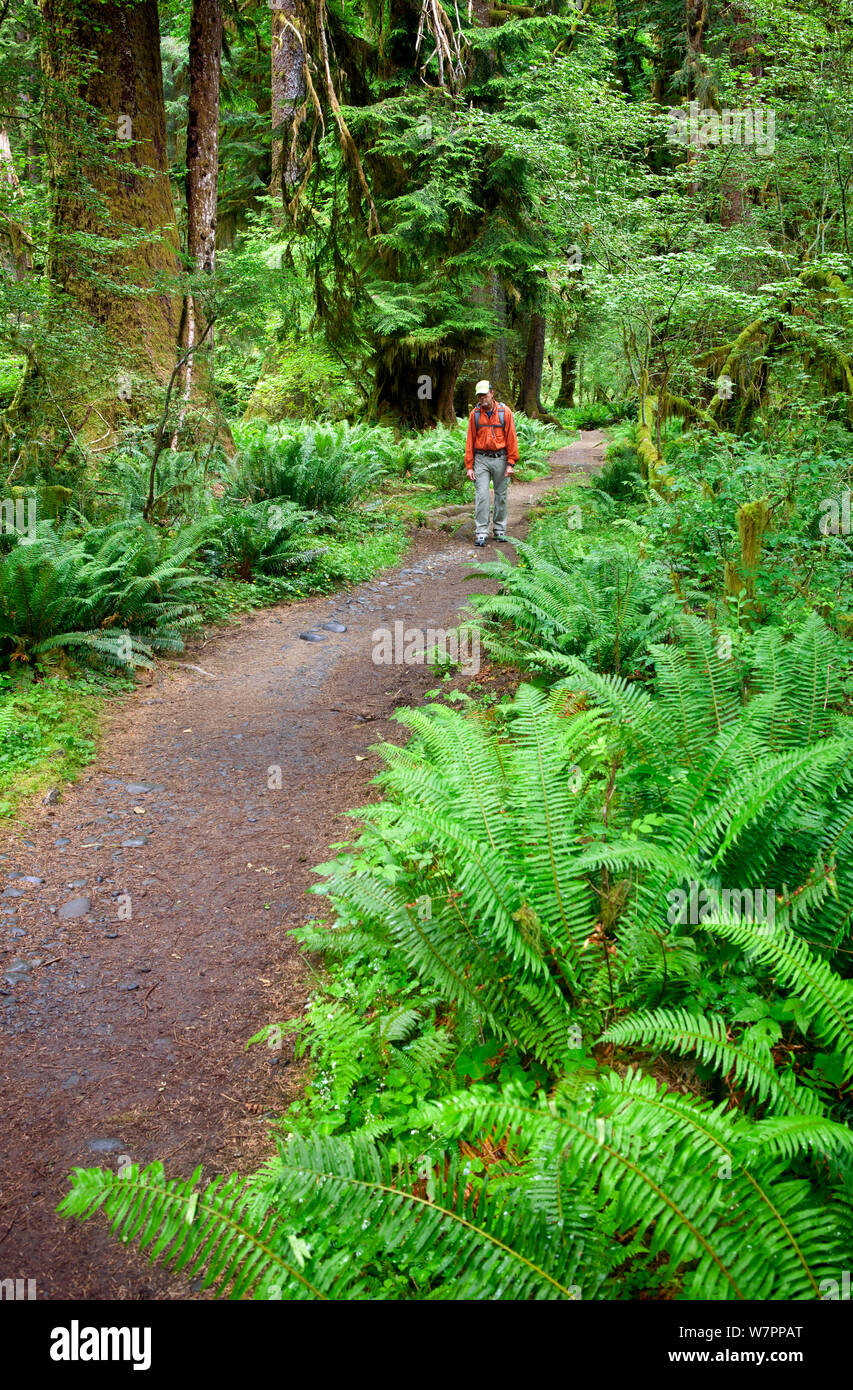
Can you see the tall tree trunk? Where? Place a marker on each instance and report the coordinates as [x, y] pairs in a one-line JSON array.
[[203, 132], [205, 54], [518, 350], [109, 55], [18, 244], [529, 400], [445, 409], [568, 372], [288, 92]]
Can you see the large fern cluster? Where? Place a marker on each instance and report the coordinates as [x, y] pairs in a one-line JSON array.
[[605, 607], [589, 1185], [520, 874], [263, 538], [322, 468], [116, 594]]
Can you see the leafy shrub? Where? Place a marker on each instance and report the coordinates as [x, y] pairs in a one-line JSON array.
[[12, 369], [265, 538], [301, 379], [181, 491], [322, 468], [796, 567], [436, 457], [605, 606], [597, 414], [620, 477], [590, 1185], [115, 595]]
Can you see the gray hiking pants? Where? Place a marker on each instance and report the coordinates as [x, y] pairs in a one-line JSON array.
[[488, 469]]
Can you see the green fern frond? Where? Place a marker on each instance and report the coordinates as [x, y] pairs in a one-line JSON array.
[[747, 1060], [825, 996], [641, 1165], [209, 1232]]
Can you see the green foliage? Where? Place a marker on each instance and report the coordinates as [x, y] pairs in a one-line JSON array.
[[302, 379], [670, 1177], [747, 1061], [620, 477], [436, 457], [181, 489], [322, 468], [114, 596], [205, 1231], [597, 414], [48, 730], [264, 538], [803, 564], [605, 605]]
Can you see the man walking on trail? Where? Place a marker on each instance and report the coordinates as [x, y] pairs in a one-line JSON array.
[[491, 453]]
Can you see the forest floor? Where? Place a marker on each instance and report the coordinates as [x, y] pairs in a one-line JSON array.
[[143, 918]]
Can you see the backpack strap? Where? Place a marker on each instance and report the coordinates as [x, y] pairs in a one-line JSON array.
[[501, 416]]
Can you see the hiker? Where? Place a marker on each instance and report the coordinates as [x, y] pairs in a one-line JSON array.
[[491, 453]]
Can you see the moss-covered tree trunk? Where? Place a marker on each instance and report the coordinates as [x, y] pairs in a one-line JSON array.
[[568, 373], [202, 160], [288, 93], [105, 126], [529, 397]]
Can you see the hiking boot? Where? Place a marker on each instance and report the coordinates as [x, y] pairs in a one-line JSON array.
[[479, 540], [500, 538]]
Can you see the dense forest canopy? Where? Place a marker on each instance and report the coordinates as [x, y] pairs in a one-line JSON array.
[[661, 190]]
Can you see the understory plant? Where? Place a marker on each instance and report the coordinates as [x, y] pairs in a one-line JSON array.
[[522, 895], [113, 594], [322, 468]]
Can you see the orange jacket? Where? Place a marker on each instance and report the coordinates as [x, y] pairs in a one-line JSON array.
[[490, 436]]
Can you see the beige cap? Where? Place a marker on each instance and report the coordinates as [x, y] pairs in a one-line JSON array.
[[482, 388]]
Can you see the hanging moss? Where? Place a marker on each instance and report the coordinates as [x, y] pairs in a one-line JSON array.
[[753, 522], [652, 465], [734, 585]]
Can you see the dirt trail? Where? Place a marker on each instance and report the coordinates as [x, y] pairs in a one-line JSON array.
[[143, 919]]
